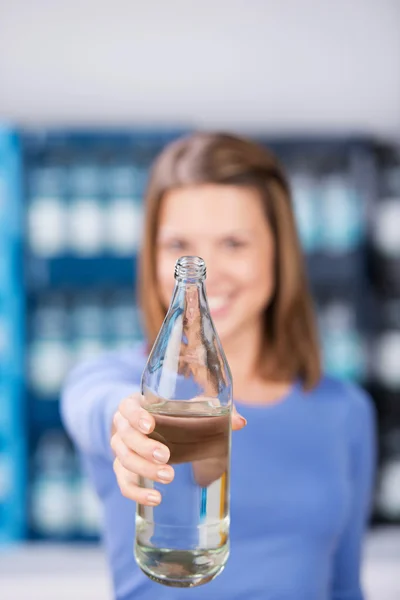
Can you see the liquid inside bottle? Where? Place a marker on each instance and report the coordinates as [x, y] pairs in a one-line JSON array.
[[187, 387]]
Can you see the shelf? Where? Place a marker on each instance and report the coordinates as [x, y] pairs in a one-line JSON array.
[[316, 144], [69, 272], [44, 413], [49, 137], [331, 271], [106, 271], [75, 280], [386, 274], [69, 538]]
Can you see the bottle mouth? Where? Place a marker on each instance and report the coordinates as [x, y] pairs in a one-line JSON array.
[[190, 268]]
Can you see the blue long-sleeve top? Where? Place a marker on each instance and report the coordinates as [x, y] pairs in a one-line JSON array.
[[302, 473]]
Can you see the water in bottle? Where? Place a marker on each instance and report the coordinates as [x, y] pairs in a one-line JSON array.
[[187, 387]]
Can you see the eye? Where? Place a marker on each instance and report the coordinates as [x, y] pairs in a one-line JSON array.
[[175, 245], [234, 243]]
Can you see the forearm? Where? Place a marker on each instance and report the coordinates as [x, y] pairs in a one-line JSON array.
[[89, 400]]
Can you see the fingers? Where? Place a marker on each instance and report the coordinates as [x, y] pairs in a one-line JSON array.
[[137, 416], [138, 442], [137, 465], [143, 421], [138, 457], [238, 422], [128, 484]]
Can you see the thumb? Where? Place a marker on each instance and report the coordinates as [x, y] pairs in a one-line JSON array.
[[238, 422]]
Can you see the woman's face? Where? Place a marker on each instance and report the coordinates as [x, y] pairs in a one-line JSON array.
[[227, 227]]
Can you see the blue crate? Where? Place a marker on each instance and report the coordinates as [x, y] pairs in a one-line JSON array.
[[11, 335], [13, 470], [10, 211], [85, 172], [10, 267], [10, 185], [12, 411], [12, 489], [333, 262]]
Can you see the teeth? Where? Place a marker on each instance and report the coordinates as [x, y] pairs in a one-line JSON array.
[[216, 302]]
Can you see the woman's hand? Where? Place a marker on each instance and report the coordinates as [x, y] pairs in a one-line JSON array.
[[140, 452]]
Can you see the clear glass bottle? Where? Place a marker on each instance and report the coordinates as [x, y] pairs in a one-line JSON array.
[[187, 386]]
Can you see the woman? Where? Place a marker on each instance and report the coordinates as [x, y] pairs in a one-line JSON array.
[[302, 469]]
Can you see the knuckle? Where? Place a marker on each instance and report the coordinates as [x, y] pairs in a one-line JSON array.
[[125, 408], [122, 424], [125, 458], [129, 437], [126, 491], [142, 448], [149, 472], [130, 404], [121, 406], [114, 442], [122, 451]]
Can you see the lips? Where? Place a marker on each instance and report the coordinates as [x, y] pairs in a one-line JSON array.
[[218, 304]]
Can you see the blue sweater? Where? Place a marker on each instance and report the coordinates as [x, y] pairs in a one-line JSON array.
[[301, 480]]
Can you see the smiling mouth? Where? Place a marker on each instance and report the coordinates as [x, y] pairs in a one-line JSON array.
[[218, 304]]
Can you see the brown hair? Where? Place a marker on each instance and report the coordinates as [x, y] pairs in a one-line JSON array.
[[290, 349]]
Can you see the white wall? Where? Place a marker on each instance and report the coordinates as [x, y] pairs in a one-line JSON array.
[[279, 65]]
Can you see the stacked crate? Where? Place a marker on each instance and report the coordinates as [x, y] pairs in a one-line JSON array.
[[84, 193], [12, 409], [77, 221], [385, 349]]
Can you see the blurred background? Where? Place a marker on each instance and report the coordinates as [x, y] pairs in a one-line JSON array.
[[89, 94]]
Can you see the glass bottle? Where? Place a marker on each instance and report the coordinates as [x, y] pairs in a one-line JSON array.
[[187, 386]]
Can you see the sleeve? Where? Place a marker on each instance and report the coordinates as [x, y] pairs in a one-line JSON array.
[[90, 396], [347, 559]]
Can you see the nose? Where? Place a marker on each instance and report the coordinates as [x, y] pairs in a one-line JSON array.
[[205, 252], [213, 264]]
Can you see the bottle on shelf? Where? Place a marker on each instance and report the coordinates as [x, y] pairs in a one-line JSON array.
[[387, 500], [47, 210], [86, 214], [343, 346], [53, 488], [306, 207], [386, 359], [49, 355], [385, 224], [342, 214], [386, 227], [88, 508], [124, 328], [88, 320], [123, 209]]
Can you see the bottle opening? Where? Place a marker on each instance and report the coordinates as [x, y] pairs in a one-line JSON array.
[[190, 268]]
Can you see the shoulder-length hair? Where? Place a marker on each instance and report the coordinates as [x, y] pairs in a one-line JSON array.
[[290, 347]]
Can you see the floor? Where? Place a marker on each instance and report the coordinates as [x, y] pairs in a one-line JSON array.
[[46, 572]]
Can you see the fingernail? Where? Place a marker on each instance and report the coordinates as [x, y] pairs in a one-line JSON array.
[[144, 425], [243, 420], [153, 498], [164, 474], [161, 456]]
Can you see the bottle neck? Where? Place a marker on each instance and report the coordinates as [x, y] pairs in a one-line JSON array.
[[189, 294], [198, 355], [190, 269], [191, 299]]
